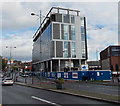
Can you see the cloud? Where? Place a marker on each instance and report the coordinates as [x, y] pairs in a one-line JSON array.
[[99, 40], [23, 43], [16, 15], [18, 25]]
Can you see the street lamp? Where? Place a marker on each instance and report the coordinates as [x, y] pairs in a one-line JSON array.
[[38, 15], [10, 54], [97, 55]]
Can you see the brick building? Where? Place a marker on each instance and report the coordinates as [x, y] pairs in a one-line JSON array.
[[110, 59]]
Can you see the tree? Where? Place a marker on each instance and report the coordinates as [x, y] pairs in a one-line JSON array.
[[4, 64]]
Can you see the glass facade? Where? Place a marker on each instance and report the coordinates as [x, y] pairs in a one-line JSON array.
[[73, 37], [66, 18], [63, 39], [41, 48], [82, 29], [83, 37], [59, 40], [72, 19], [65, 50], [66, 32], [73, 49]]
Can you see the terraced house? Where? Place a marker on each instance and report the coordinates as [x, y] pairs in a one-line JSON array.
[[60, 41]]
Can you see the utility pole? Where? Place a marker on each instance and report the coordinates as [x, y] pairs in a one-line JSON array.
[[97, 55], [10, 57], [38, 15]]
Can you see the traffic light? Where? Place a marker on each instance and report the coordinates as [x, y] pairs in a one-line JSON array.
[[117, 67], [111, 67]]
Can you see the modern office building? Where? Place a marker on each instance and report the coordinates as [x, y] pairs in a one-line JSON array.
[[60, 42], [110, 59]]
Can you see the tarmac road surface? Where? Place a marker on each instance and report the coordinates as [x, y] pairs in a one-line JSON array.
[[17, 94]]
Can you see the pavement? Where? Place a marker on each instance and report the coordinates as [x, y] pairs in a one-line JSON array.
[[48, 84]]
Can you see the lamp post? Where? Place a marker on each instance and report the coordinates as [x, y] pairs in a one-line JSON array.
[[10, 55], [97, 55], [38, 15]]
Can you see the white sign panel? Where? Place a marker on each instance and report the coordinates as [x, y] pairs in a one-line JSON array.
[[58, 75], [65, 75], [74, 75], [48, 74], [84, 67]]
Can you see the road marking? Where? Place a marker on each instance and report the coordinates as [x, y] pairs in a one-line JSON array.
[[43, 100]]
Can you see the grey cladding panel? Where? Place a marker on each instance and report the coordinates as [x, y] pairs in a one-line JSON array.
[[70, 32], [59, 49], [69, 50], [52, 49], [56, 31], [58, 17], [62, 31]]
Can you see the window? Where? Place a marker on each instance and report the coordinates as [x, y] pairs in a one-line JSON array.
[[82, 21], [82, 29], [65, 49], [66, 32], [72, 19], [116, 53], [83, 49], [73, 49], [82, 37], [66, 19], [73, 32], [116, 49]]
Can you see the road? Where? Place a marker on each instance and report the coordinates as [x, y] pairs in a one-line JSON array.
[[17, 94], [102, 89]]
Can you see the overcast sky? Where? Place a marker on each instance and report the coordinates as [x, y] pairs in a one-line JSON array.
[[18, 26]]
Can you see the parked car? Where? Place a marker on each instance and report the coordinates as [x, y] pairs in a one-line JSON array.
[[7, 81], [1, 75], [24, 75]]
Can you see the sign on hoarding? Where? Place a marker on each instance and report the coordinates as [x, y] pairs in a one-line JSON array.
[[65, 75], [74, 75], [48, 74], [84, 67], [58, 75]]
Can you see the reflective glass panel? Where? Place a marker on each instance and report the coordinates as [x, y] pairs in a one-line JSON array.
[[65, 49], [73, 49], [66, 18], [66, 32], [73, 32], [72, 19]]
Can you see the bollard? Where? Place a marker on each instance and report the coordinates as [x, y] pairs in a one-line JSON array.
[[32, 79], [25, 80]]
